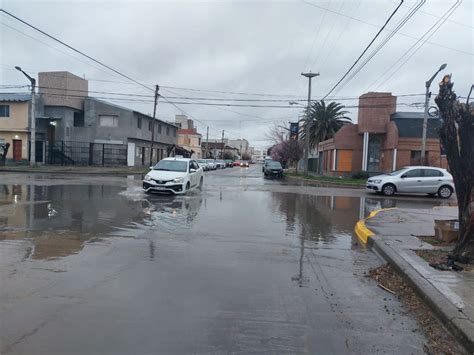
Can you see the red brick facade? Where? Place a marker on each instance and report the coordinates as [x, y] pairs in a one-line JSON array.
[[375, 118]]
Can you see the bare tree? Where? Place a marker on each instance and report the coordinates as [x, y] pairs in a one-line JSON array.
[[457, 137]]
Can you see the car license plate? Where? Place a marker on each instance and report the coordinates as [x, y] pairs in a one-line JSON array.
[[161, 188]]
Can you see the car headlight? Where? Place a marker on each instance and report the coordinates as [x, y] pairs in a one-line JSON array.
[[377, 181], [178, 180], [147, 177]]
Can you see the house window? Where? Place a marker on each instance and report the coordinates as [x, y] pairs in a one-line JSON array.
[[167, 131], [68, 131], [150, 125], [139, 122], [415, 157], [174, 133], [159, 129], [199, 141], [4, 111], [78, 119], [108, 121]]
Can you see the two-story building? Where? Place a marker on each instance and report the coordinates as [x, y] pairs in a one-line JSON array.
[[188, 136], [73, 128], [14, 125], [383, 140]]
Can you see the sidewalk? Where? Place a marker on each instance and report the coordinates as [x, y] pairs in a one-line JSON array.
[[71, 169], [450, 294]]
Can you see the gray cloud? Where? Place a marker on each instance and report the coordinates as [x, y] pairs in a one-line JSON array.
[[244, 46]]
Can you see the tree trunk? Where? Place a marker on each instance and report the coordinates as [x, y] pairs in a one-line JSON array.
[[457, 137]]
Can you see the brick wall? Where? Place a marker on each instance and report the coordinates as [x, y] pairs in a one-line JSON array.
[[375, 109]]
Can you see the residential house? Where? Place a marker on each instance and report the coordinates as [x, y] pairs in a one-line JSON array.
[[188, 136], [383, 140], [73, 128], [14, 125], [219, 150]]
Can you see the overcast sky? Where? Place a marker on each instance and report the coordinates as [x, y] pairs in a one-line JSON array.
[[238, 46]]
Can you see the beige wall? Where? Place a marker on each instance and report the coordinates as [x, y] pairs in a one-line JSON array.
[[15, 127], [191, 142], [18, 119], [54, 84]]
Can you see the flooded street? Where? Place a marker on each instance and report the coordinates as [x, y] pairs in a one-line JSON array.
[[246, 266]]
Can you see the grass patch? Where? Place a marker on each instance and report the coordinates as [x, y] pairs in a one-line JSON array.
[[330, 179]]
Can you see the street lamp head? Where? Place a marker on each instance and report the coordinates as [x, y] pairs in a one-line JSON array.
[[310, 75], [18, 68], [442, 67]]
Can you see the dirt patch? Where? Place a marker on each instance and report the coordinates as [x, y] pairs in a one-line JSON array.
[[430, 239], [438, 256], [440, 341]]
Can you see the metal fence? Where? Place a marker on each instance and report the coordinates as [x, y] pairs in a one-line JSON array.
[[85, 153]]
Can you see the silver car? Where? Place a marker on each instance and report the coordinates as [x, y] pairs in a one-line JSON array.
[[414, 179]]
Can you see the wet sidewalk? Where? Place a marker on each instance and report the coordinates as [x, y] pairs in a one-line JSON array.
[[450, 294]]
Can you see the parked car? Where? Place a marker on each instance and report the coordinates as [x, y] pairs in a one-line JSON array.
[[229, 163], [220, 164], [174, 175], [265, 164], [273, 169], [244, 164], [211, 164], [203, 164], [237, 163], [414, 179]]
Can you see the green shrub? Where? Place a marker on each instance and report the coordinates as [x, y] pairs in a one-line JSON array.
[[360, 175]]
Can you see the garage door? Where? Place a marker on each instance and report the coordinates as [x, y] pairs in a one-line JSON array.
[[344, 160]]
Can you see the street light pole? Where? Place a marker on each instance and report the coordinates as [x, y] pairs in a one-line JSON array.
[[307, 128], [425, 114], [33, 118]]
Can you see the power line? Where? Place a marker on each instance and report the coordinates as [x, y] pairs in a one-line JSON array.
[[433, 29], [74, 49], [365, 50], [400, 24], [377, 26]]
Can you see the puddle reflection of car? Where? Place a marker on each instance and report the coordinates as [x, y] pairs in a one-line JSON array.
[[273, 169], [174, 175], [414, 179]]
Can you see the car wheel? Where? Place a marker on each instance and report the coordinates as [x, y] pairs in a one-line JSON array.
[[388, 189], [188, 186], [201, 183], [445, 191]]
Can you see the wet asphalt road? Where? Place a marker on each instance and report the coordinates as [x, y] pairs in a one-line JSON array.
[[246, 266]]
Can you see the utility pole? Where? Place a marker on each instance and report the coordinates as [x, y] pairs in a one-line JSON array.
[[307, 124], [207, 143], [33, 118], [222, 147], [157, 88], [425, 114]]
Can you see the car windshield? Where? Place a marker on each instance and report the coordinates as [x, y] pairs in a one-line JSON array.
[[172, 165], [274, 165], [398, 172], [201, 161]]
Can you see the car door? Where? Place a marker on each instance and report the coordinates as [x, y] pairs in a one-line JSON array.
[[432, 180], [410, 181], [193, 175]]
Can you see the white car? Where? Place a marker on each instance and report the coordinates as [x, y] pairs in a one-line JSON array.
[[414, 179], [210, 163], [174, 175]]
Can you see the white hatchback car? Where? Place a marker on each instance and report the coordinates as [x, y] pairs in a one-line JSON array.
[[414, 179], [175, 175]]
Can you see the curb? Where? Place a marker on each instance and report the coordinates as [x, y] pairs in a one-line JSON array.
[[79, 172], [325, 183], [361, 230], [453, 318]]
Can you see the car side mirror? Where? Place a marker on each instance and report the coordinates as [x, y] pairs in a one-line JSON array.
[[192, 170]]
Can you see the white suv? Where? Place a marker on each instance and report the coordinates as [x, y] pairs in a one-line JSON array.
[[414, 179], [175, 175]]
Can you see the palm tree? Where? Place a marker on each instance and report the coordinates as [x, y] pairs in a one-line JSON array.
[[325, 121]]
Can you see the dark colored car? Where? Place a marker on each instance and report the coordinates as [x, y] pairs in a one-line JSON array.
[[273, 169]]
